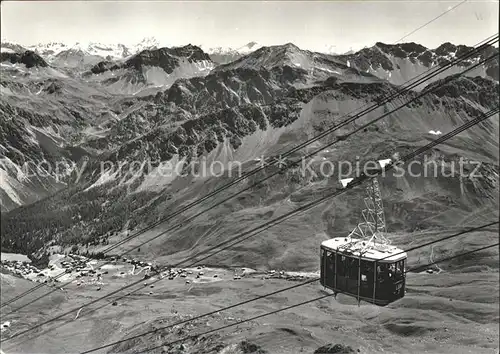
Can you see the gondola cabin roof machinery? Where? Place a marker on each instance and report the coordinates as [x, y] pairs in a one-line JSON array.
[[369, 251], [363, 264]]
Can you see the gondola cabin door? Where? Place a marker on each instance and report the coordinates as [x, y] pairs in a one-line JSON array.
[[369, 272]]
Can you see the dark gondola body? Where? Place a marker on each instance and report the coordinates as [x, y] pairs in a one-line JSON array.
[[368, 271]]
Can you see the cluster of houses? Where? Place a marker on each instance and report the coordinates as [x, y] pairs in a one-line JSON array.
[[186, 273], [75, 265], [78, 267], [133, 261], [20, 268]]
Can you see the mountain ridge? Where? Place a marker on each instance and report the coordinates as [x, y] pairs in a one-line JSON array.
[[176, 105]]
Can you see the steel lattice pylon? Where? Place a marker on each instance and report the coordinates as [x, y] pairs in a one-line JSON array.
[[372, 228]]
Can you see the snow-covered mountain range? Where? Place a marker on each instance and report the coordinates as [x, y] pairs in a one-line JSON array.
[[73, 54], [50, 51]]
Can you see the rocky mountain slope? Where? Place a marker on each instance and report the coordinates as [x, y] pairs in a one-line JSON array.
[[399, 63], [48, 111], [156, 68], [114, 126], [28, 58]]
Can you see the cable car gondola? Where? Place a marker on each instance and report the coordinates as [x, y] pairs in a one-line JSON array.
[[363, 269], [363, 264]]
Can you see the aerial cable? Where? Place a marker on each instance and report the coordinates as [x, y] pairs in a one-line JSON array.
[[418, 96], [287, 308], [239, 179], [361, 128], [355, 182], [327, 132], [280, 310], [429, 22], [290, 288]]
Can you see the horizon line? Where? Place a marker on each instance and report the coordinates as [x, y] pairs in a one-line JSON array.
[[207, 47]]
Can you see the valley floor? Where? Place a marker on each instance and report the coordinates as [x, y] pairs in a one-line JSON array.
[[441, 313]]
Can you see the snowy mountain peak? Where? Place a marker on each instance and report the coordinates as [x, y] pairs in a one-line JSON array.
[[276, 56], [149, 42], [146, 43], [246, 49], [249, 47]]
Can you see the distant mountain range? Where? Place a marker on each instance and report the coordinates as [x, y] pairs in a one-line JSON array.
[[56, 50], [51, 50]]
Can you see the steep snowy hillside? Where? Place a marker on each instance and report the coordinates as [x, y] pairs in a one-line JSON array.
[[400, 62]]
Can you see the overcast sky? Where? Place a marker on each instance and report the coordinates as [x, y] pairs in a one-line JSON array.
[[310, 25]]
